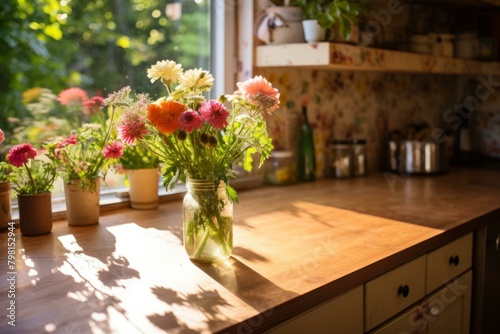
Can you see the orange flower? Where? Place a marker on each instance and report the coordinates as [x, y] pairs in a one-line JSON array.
[[165, 117]]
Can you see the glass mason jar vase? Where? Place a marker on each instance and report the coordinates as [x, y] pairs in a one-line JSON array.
[[207, 214]]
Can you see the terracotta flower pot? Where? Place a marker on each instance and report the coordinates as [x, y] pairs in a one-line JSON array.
[[35, 213], [5, 205], [143, 189], [82, 206]]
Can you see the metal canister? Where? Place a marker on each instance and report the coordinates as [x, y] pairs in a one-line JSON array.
[[346, 158]]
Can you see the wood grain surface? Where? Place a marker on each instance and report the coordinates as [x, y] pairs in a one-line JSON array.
[[294, 247]]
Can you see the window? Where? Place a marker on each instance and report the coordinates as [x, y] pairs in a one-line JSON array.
[[101, 46]]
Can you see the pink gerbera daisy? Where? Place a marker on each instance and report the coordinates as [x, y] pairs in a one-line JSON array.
[[190, 120], [131, 127], [260, 93], [20, 154], [72, 96], [214, 113], [113, 150]]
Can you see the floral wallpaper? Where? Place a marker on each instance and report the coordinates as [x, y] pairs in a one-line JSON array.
[[355, 105]]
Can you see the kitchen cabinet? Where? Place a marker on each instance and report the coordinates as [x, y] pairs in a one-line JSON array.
[[431, 293], [334, 56], [445, 311], [343, 314]]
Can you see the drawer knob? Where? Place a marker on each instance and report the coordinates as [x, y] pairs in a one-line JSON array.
[[404, 290], [454, 260]]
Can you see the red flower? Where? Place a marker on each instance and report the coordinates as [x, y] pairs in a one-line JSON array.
[[190, 120], [70, 141], [20, 154], [214, 113], [113, 150], [93, 105]]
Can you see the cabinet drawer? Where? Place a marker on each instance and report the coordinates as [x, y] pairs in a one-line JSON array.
[[449, 261], [394, 291], [343, 314], [446, 311]]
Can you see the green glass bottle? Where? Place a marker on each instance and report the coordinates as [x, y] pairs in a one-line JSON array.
[[306, 165]]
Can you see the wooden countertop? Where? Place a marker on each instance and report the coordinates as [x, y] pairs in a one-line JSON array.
[[294, 247]]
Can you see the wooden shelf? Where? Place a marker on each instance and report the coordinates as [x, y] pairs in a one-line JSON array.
[[333, 56]]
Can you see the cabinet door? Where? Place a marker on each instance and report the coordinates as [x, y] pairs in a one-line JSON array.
[[343, 314], [446, 311], [449, 309]]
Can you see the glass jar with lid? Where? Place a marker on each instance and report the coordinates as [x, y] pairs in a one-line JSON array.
[[280, 168]]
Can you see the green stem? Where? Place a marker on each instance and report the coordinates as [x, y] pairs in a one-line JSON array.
[[32, 181], [203, 242]]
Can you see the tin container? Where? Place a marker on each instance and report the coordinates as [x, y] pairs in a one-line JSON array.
[[346, 158], [416, 156]]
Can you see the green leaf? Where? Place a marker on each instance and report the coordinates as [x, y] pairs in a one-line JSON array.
[[53, 31], [232, 193]]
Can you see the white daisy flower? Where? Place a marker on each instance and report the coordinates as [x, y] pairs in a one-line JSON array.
[[166, 70], [196, 79]]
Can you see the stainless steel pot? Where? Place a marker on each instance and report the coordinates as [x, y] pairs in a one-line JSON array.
[[416, 156]]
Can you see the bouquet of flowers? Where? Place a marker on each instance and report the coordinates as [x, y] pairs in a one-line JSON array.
[[197, 139], [31, 173]]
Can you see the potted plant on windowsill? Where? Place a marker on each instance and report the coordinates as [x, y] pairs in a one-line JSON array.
[[143, 173], [32, 178], [337, 17], [82, 160]]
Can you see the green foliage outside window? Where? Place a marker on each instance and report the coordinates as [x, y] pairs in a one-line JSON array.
[[98, 45]]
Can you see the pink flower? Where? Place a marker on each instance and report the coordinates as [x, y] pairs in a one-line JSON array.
[[72, 96], [260, 93], [70, 141], [2, 136], [190, 120], [214, 113], [113, 150], [93, 105], [131, 127], [20, 154]]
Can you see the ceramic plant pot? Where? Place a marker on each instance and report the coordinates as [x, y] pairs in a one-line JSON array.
[[35, 213], [143, 189], [82, 205]]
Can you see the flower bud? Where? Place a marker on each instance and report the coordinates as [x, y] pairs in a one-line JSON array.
[[204, 139], [212, 141], [181, 135]]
